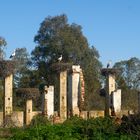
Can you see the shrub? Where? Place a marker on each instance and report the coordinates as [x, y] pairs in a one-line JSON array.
[[74, 128], [131, 125], [39, 120]]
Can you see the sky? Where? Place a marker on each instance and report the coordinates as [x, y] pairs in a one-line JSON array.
[[112, 26]]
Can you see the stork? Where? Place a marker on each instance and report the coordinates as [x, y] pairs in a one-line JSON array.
[[13, 54], [60, 58], [109, 64]]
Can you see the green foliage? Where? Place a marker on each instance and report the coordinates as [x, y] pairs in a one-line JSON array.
[[96, 101], [129, 73], [39, 120], [128, 81], [131, 126], [5, 134], [75, 129], [56, 36], [3, 43], [21, 60], [129, 99]]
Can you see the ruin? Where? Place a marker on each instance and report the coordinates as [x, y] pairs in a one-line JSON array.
[[28, 110], [113, 95], [8, 90], [48, 101], [8, 116], [73, 94], [71, 97], [63, 96]]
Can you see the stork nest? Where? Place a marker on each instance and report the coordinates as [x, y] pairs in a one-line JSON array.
[[28, 93], [107, 71], [7, 67], [59, 67]]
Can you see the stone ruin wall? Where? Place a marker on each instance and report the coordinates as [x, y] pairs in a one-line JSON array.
[[48, 100]]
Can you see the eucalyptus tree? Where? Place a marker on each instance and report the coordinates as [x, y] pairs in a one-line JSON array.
[[21, 59], [57, 37], [129, 72], [3, 43], [129, 81]]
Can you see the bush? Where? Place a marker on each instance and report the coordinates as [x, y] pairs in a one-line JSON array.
[[74, 129], [131, 125], [39, 120]]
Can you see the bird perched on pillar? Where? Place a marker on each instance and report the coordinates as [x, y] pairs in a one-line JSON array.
[[13, 54], [109, 64], [60, 58]]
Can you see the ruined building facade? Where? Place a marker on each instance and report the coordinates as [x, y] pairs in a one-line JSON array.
[[71, 99]]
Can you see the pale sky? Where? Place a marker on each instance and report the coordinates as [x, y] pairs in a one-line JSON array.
[[112, 26]]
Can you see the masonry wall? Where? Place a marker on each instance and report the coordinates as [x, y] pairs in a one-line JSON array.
[[17, 118], [29, 113], [96, 113]]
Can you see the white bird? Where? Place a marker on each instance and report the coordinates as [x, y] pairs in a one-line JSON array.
[[60, 58], [13, 54], [109, 64]]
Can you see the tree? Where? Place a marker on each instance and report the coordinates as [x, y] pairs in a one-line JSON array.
[[55, 37], [129, 72], [21, 59], [3, 43], [129, 81]]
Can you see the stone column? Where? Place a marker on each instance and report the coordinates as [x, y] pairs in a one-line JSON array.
[[48, 101], [111, 83], [116, 101], [44, 101], [28, 111], [110, 89], [8, 91], [74, 87], [63, 96]]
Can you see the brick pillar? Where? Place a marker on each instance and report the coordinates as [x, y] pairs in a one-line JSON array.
[[28, 111], [63, 96], [82, 91]]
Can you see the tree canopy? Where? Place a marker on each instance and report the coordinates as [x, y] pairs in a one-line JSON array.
[[128, 81], [57, 37], [129, 72], [21, 60], [3, 43]]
